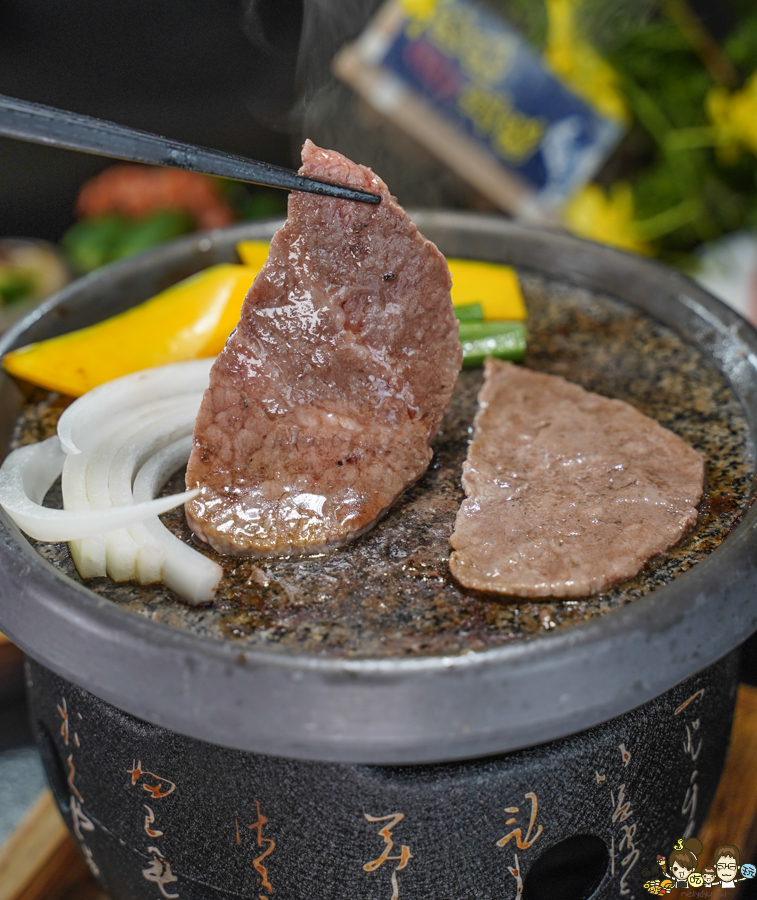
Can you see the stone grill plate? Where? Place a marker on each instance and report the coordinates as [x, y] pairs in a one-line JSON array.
[[373, 653]]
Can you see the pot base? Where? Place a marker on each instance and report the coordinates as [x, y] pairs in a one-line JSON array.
[[157, 814]]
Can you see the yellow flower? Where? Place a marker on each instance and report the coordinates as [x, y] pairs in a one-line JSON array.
[[577, 63], [734, 117], [605, 217], [418, 9]]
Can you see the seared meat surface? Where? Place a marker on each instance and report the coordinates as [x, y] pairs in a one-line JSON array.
[[322, 406], [567, 492]]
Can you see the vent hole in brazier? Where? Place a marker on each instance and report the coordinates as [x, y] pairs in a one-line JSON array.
[[53, 764], [571, 870]]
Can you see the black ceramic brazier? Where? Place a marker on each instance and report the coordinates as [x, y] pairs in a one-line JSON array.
[[159, 814], [192, 765]]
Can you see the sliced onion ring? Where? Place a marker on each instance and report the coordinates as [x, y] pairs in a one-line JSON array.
[[86, 477], [132, 549], [129, 392], [116, 447], [192, 575], [134, 435], [28, 474]]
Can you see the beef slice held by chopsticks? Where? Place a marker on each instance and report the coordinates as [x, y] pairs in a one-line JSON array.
[[567, 492], [323, 403]]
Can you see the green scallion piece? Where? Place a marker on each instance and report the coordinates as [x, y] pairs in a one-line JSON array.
[[469, 312], [505, 340]]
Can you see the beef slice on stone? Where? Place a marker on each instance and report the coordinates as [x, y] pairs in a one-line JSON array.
[[322, 405], [567, 492]]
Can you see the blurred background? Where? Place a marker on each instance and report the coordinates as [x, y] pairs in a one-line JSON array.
[[668, 82], [664, 90], [184, 69], [254, 77]]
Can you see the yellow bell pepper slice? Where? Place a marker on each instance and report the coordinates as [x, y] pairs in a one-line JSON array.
[[190, 320], [194, 318], [492, 285], [253, 253]]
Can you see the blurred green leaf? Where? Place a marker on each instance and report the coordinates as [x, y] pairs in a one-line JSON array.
[[741, 46], [98, 241], [90, 243], [15, 284], [253, 202], [666, 85], [150, 231]]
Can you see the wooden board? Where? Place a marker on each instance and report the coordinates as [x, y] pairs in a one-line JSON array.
[[11, 668], [733, 814], [40, 861]]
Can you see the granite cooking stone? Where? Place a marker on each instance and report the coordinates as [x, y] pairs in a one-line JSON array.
[[390, 593]]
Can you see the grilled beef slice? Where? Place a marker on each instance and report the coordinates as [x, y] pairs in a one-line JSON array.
[[322, 405], [567, 492]]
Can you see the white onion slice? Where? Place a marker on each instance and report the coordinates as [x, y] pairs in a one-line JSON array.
[[44, 462], [88, 557], [116, 447], [86, 476], [124, 466], [128, 392], [28, 473], [111, 474], [192, 575]]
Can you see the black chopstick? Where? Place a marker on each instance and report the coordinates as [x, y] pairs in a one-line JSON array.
[[41, 124]]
